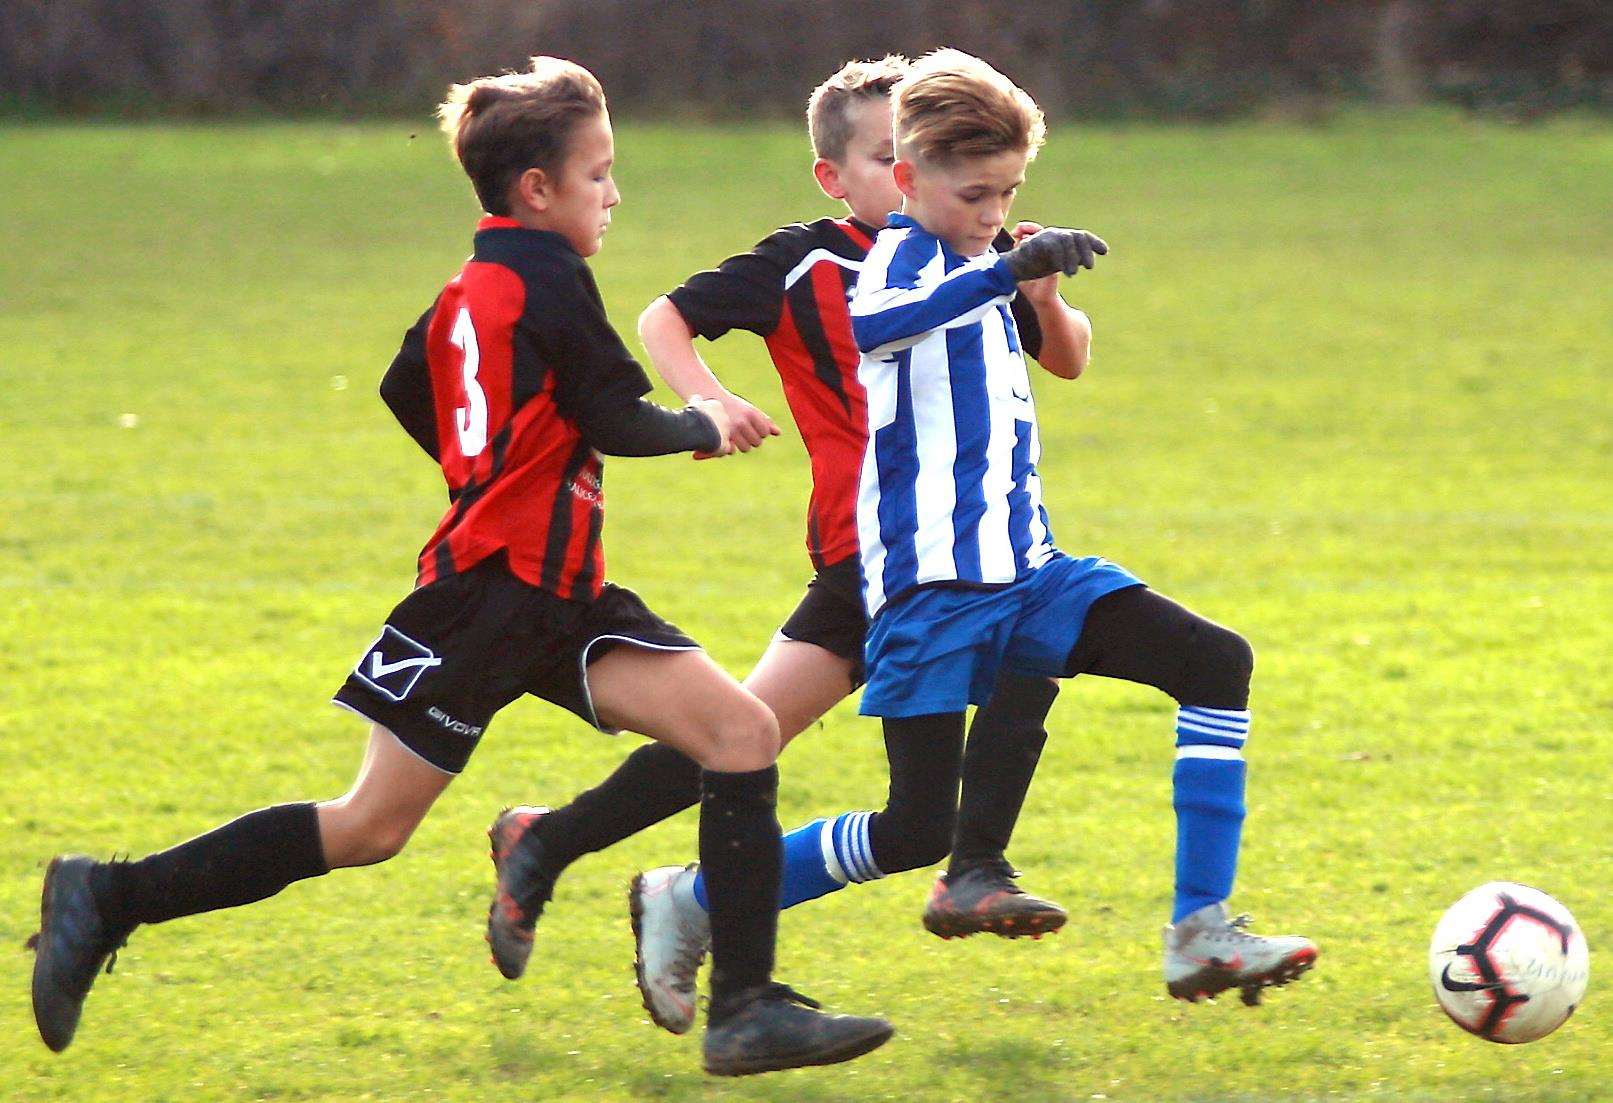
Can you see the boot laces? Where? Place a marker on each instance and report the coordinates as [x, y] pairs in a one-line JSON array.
[[1237, 930], [1003, 868], [777, 990], [691, 948]]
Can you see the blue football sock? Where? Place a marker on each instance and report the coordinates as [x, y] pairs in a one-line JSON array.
[[819, 858], [1208, 783]]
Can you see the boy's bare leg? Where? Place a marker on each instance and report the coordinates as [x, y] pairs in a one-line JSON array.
[[799, 682], [372, 821], [89, 908]]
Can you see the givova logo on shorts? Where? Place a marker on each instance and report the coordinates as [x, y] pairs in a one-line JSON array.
[[394, 663]]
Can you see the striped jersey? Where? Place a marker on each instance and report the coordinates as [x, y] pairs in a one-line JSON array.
[[948, 488], [792, 289], [490, 382]]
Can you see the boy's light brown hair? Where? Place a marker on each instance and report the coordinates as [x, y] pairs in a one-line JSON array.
[[829, 106], [501, 126], [952, 105]]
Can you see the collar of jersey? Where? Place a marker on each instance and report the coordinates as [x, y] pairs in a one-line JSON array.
[[500, 222], [902, 221]]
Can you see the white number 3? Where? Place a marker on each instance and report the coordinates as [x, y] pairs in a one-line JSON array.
[[471, 420]]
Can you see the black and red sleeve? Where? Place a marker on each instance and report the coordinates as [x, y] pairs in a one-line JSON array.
[[746, 291], [406, 387], [598, 384]]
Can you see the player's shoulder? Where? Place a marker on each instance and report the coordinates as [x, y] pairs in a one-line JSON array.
[[842, 237], [902, 250]]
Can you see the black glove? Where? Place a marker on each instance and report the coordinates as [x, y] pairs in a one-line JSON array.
[[1054, 250]]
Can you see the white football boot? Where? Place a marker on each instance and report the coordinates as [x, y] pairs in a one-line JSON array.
[[672, 934], [1206, 953]]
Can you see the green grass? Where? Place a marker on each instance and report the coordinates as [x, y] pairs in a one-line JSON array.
[[1351, 395]]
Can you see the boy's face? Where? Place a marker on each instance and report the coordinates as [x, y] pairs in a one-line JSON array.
[[964, 202], [862, 178], [576, 201]]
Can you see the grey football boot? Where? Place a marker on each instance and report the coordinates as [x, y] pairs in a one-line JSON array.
[[1206, 953], [671, 936]]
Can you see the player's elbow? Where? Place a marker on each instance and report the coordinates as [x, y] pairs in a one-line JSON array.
[[662, 318], [1065, 367]]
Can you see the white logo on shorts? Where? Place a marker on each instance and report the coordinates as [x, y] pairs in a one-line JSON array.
[[394, 678]]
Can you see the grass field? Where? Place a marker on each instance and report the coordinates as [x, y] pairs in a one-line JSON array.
[[1351, 395]]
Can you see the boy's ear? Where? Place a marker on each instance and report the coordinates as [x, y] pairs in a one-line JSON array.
[[828, 175], [903, 171], [533, 189]]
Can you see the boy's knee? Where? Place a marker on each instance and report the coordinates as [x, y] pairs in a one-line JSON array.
[[1221, 665], [744, 738], [355, 837]]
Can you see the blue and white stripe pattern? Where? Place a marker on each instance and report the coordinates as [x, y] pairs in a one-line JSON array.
[[847, 854], [1211, 733], [949, 489]]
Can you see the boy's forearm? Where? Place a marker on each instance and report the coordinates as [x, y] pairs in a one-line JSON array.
[[669, 344], [1066, 338], [643, 428]]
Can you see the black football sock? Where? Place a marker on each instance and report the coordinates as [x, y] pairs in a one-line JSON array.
[[741, 856], [654, 783], [916, 826], [246, 860], [1005, 743]]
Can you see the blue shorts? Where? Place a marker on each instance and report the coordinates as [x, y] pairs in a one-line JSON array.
[[940, 648]]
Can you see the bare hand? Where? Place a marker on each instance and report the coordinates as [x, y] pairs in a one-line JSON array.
[[714, 409], [749, 425]]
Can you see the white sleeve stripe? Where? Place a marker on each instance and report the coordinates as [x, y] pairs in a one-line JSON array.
[[813, 258], [879, 300]]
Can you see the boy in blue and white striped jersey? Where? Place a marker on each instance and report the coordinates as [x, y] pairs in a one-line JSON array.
[[961, 575]]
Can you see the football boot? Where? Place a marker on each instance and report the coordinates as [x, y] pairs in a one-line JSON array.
[[773, 1027], [1206, 953], [523, 887], [671, 935], [984, 898], [70, 947]]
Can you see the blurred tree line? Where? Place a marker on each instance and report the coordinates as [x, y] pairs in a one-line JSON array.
[[725, 58]]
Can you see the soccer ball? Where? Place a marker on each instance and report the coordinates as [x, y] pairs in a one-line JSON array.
[[1508, 963]]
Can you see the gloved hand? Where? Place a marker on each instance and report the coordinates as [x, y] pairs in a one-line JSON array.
[[1054, 249]]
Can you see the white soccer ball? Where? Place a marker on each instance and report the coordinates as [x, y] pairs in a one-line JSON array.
[[1508, 963]]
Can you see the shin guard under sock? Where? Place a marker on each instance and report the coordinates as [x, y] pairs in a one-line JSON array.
[[246, 860], [740, 858]]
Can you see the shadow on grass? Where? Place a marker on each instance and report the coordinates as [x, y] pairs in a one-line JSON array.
[[1025, 1068]]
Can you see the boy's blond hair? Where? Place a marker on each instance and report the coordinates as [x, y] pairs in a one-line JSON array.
[[829, 106], [500, 126], [953, 105]]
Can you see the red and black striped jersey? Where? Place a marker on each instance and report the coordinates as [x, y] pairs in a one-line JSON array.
[[514, 381], [792, 290]]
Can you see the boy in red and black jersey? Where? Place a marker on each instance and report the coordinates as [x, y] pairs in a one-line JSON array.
[[791, 289], [515, 383]]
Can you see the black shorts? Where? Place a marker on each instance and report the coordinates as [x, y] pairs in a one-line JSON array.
[[832, 616], [456, 651]]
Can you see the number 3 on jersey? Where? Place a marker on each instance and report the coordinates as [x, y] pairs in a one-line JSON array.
[[470, 420]]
